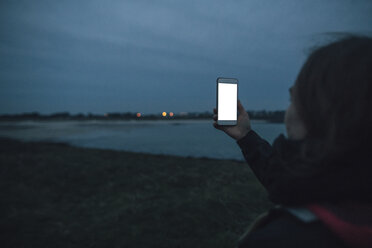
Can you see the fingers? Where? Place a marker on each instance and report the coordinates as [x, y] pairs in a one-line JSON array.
[[240, 107], [217, 126]]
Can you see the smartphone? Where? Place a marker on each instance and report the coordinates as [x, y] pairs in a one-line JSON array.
[[227, 100]]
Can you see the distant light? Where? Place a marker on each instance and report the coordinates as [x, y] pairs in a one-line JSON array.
[[171, 114], [138, 114], [164, 114]]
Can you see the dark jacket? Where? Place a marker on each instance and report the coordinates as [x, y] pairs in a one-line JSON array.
[[339, 197]]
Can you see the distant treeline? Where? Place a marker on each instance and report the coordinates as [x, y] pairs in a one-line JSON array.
[[270, 116]]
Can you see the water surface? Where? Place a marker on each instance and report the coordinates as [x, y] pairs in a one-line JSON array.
[[196, 138]]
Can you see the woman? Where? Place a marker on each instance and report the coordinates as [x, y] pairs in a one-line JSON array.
[[320, 177]]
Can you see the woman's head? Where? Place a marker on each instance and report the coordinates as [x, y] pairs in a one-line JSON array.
[[332, 97]]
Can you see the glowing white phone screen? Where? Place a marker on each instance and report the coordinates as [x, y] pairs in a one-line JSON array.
[[227, 101]]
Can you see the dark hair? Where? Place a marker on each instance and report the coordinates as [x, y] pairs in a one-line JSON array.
[[333, 97]]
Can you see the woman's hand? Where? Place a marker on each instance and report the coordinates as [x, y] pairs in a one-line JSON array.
[[242, 127]]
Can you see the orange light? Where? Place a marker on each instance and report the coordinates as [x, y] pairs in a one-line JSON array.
[[164, 114], [171, 114], [138, 114]]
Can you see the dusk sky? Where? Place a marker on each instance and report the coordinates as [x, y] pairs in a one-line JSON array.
[[152, 56]]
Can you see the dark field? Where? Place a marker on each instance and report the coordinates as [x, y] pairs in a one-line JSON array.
[[55, 195]]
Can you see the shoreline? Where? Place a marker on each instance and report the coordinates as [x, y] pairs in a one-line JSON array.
[[181, 121], [66, 144]]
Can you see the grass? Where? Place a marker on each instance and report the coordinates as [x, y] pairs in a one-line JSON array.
[[55, 195]]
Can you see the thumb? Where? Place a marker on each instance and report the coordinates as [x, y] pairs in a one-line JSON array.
[[240, 107]]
